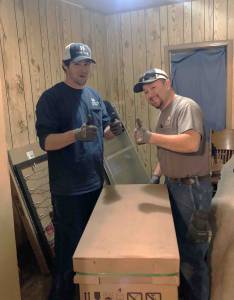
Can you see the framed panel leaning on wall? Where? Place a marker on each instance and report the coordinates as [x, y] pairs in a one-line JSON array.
[[29, 172]]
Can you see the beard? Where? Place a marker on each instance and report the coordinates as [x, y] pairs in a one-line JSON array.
[[81, 81], [157, 104]]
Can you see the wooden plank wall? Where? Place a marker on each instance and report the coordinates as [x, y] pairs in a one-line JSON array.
[[137, 41], [9, 276], [33, 34]]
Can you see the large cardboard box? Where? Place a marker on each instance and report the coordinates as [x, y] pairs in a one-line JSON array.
[[129, 250]]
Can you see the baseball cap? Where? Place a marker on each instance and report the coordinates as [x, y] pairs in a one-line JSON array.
[[77, 52], [148, 77]]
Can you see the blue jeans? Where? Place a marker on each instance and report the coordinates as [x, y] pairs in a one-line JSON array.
[[70, 214], [185, 200]]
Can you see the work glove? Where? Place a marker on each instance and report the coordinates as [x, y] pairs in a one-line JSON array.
[[141, 134], [155, 179], [86, 133], [116, 127]]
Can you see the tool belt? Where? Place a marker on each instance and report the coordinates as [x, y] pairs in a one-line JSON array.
[[189, 180]]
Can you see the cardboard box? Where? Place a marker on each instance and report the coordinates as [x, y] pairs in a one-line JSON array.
[[129, 246], [128, 292]]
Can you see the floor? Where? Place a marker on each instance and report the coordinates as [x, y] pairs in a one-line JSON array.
[[34, 285]]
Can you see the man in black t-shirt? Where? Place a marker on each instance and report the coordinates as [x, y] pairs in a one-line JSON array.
[[71, 123]]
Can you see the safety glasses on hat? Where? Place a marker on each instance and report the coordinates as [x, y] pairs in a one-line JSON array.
[[148, 77]]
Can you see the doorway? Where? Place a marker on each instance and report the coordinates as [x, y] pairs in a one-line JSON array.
[[203, 72]]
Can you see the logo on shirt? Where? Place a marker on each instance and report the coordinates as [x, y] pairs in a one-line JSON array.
[[94, 102], [168, 121]]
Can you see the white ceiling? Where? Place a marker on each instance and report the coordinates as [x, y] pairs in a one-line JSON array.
[[115, 6]]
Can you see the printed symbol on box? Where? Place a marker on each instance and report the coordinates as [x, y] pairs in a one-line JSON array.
[[30, 154], [87, 296], [108, 296], [134, 296], [153, 296], [97, 295]]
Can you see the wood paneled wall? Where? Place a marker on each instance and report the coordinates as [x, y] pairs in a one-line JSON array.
[[33, 34], [9, 277], [136, 41]]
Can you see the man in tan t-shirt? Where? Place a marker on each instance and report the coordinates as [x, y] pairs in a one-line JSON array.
[[183, 160]]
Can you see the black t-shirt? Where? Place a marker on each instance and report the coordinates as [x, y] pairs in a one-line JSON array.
[[77, 168], [112, 113]]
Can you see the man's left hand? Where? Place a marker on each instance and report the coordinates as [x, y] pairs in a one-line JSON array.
[[116, 127]]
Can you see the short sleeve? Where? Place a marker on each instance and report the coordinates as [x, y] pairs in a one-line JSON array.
[[46, 118], [190, 118]]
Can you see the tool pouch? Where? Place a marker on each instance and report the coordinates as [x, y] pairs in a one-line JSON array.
[[199, 230]]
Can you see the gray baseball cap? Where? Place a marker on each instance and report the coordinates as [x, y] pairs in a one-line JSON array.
[[77, 52], [149, 77]]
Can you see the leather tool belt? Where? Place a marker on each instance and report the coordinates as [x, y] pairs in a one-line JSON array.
[[189, 180]]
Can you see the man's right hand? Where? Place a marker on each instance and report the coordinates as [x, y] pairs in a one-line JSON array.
[[86, 133], [141, 134], [155, 179]]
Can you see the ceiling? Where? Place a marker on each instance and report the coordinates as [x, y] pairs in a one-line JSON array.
[[115, 6]]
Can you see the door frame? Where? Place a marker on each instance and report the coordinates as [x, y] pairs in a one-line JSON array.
[[229, 82]]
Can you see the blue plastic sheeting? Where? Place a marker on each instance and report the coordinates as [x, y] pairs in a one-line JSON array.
[[201, 75]]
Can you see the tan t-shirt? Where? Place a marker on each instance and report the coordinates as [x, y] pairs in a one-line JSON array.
[[181, 115]]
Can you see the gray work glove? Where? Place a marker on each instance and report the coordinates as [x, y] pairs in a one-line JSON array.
[[155, 179], [86, 133], [141, 134], [116, 127]]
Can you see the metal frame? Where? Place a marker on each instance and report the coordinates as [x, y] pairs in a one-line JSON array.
[[120, 149], [43, 242]]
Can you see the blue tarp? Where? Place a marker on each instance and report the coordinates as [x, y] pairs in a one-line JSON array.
[[201, 75]]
